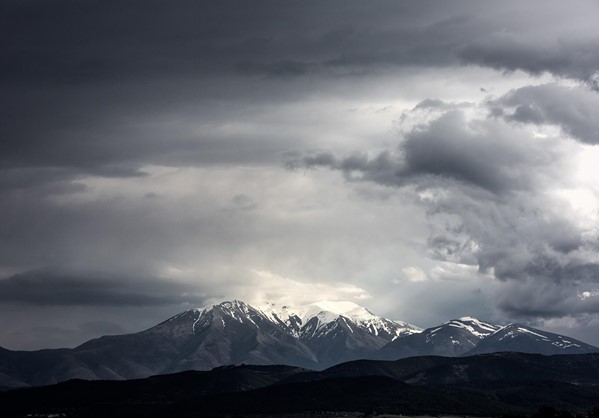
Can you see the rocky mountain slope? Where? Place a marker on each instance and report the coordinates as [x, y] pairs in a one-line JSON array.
[[523, 339], [453, 338]]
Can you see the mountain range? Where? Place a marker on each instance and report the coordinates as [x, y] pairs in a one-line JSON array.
[[314, 336]]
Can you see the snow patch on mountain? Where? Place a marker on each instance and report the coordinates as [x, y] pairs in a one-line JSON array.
[[513, 330], [474, 326]]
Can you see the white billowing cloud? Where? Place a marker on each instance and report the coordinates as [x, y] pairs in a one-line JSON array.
[[450, 271], [586, 294], [414, 274], [271, 287]]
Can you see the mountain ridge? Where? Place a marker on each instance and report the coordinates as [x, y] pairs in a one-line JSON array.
[[495, 384]]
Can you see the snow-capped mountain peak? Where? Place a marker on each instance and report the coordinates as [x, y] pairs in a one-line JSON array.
[[235, 308], [333, 330], [514, 330], [522, 338], [317, 335], [453, 338], [327, 312]]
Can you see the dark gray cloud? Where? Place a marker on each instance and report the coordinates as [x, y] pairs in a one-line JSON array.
[[74, 42], [145, 139], [488, 155], [572, 109], [56, 287], [101, 327], [545, 301], [77, 42], [103, 88], [82, 80], [570, 58]]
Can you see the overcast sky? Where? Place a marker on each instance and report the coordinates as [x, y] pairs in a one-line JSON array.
[[425, 159]]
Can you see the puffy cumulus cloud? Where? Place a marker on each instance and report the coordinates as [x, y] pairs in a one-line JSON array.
[[570, 108], [492, 188], [488, 155]]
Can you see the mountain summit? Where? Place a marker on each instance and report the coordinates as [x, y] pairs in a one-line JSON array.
[[523, 339], [453, 338], [327, 312], [338, 331], [313, 336]]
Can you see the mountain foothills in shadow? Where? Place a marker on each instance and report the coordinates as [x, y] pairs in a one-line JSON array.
[[314, 336], [482, 385]]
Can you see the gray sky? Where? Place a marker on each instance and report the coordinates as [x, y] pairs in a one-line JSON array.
[[427, 160]]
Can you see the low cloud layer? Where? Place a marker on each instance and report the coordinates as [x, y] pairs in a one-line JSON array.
[[51, 287]]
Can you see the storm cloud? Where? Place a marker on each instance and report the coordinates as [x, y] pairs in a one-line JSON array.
[[570, 58], [486, 154], [156, 156], [572, 109], [51, 287], [491, 190]]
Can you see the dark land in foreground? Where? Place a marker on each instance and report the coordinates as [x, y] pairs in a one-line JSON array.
[[499, 384]]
